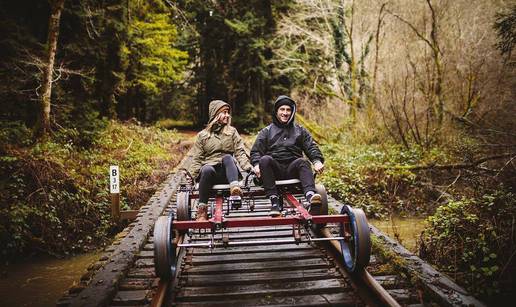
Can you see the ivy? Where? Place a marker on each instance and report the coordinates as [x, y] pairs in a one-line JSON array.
[[472, 239]]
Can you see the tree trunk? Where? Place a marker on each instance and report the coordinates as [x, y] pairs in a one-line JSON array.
[[43, 126], [436, 50], [111, 70]]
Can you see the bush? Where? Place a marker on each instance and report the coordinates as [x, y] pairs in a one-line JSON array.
[[14, 133], [54, 195], [474, 239], [174, 124], [372, 177]]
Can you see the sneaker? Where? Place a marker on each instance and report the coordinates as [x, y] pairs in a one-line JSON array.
[[235, 191], [316, 199], [202, 213], [275, 211]]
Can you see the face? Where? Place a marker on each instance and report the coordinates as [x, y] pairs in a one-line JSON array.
[[224, 116], [284, 113]]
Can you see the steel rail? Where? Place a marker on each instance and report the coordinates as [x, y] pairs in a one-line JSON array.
[[161, 292], [374, 286], [358, 279], [363, 276]]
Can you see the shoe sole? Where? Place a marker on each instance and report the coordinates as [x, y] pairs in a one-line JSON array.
[[316, 200], [274, 213], [236, 192]]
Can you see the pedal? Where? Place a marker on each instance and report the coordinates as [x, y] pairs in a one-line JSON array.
[[236, 202], [225, 239], [296, 232]]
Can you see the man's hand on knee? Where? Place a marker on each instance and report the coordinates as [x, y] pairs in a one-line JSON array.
[[319, 167], [257, 170]]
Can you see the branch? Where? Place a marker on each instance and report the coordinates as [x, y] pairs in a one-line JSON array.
[[412, 27], [457, 165]]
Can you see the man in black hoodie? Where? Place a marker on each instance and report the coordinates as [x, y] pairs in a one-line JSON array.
[[278, 151]]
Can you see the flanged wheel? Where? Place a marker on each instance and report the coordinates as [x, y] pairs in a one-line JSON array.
[[164, 251], [321, 190], [183, 206], [356, 249]]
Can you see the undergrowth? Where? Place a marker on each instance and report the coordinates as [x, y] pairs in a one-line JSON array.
[[474, 240], [471, 211], [373, 177], [54, 196]]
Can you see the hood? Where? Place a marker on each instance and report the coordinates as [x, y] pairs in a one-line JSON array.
[[280, 101], [214, 107]]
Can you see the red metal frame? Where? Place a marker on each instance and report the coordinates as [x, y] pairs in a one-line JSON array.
[[303, 217], [248, 193], [217, 215]]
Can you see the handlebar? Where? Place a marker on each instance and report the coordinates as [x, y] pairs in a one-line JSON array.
[[188, 175]]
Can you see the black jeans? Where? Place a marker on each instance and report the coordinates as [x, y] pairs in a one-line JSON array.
[[271, 170], [225, 172]]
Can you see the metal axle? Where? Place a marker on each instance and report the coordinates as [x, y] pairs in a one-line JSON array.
[[256, 242]]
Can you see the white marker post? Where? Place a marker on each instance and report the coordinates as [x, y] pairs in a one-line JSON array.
[[114, 189]]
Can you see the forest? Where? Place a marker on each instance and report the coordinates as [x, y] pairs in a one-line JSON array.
[[412, 102]]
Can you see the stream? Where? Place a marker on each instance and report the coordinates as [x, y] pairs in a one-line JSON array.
[[41, 280], [404, 230]]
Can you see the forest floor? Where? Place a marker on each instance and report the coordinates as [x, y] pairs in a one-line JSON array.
[[55, 197]]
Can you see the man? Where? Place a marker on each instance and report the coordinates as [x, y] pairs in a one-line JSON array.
[[278, 151]]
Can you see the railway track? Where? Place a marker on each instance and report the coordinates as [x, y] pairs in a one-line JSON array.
[[279, 273]]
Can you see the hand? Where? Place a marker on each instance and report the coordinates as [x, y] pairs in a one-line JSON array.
[[319, 167], [257, 170]]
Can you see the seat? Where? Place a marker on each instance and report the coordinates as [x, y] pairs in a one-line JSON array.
[[223, 186], [287, 182]]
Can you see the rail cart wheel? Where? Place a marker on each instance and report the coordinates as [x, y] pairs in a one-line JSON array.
[[357, 248], [164, 251], [321, 190], [183, 206]]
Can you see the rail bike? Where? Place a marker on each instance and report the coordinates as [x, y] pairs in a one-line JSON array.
[[353, 230]]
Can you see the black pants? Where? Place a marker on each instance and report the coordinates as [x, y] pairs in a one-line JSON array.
[[271, 170], [225, 172]]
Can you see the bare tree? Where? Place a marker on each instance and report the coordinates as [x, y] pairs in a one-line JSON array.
[[438, 103], [381, 16], [505, 26], [43, 126]]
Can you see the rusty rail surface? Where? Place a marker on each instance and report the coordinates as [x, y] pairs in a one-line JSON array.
[[275, 274]]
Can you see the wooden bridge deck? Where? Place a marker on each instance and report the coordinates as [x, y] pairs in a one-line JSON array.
[[284, 274]]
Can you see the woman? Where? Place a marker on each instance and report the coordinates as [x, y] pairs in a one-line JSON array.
[[213, 153]]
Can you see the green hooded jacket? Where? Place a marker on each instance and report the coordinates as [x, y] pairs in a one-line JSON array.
[[211, 146]]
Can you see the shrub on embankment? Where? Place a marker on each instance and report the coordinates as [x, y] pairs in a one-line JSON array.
[[465, 191], [376, 179], [474, 241], [54, 195]]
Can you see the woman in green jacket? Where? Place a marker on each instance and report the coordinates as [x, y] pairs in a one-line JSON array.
[[214, 153]]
